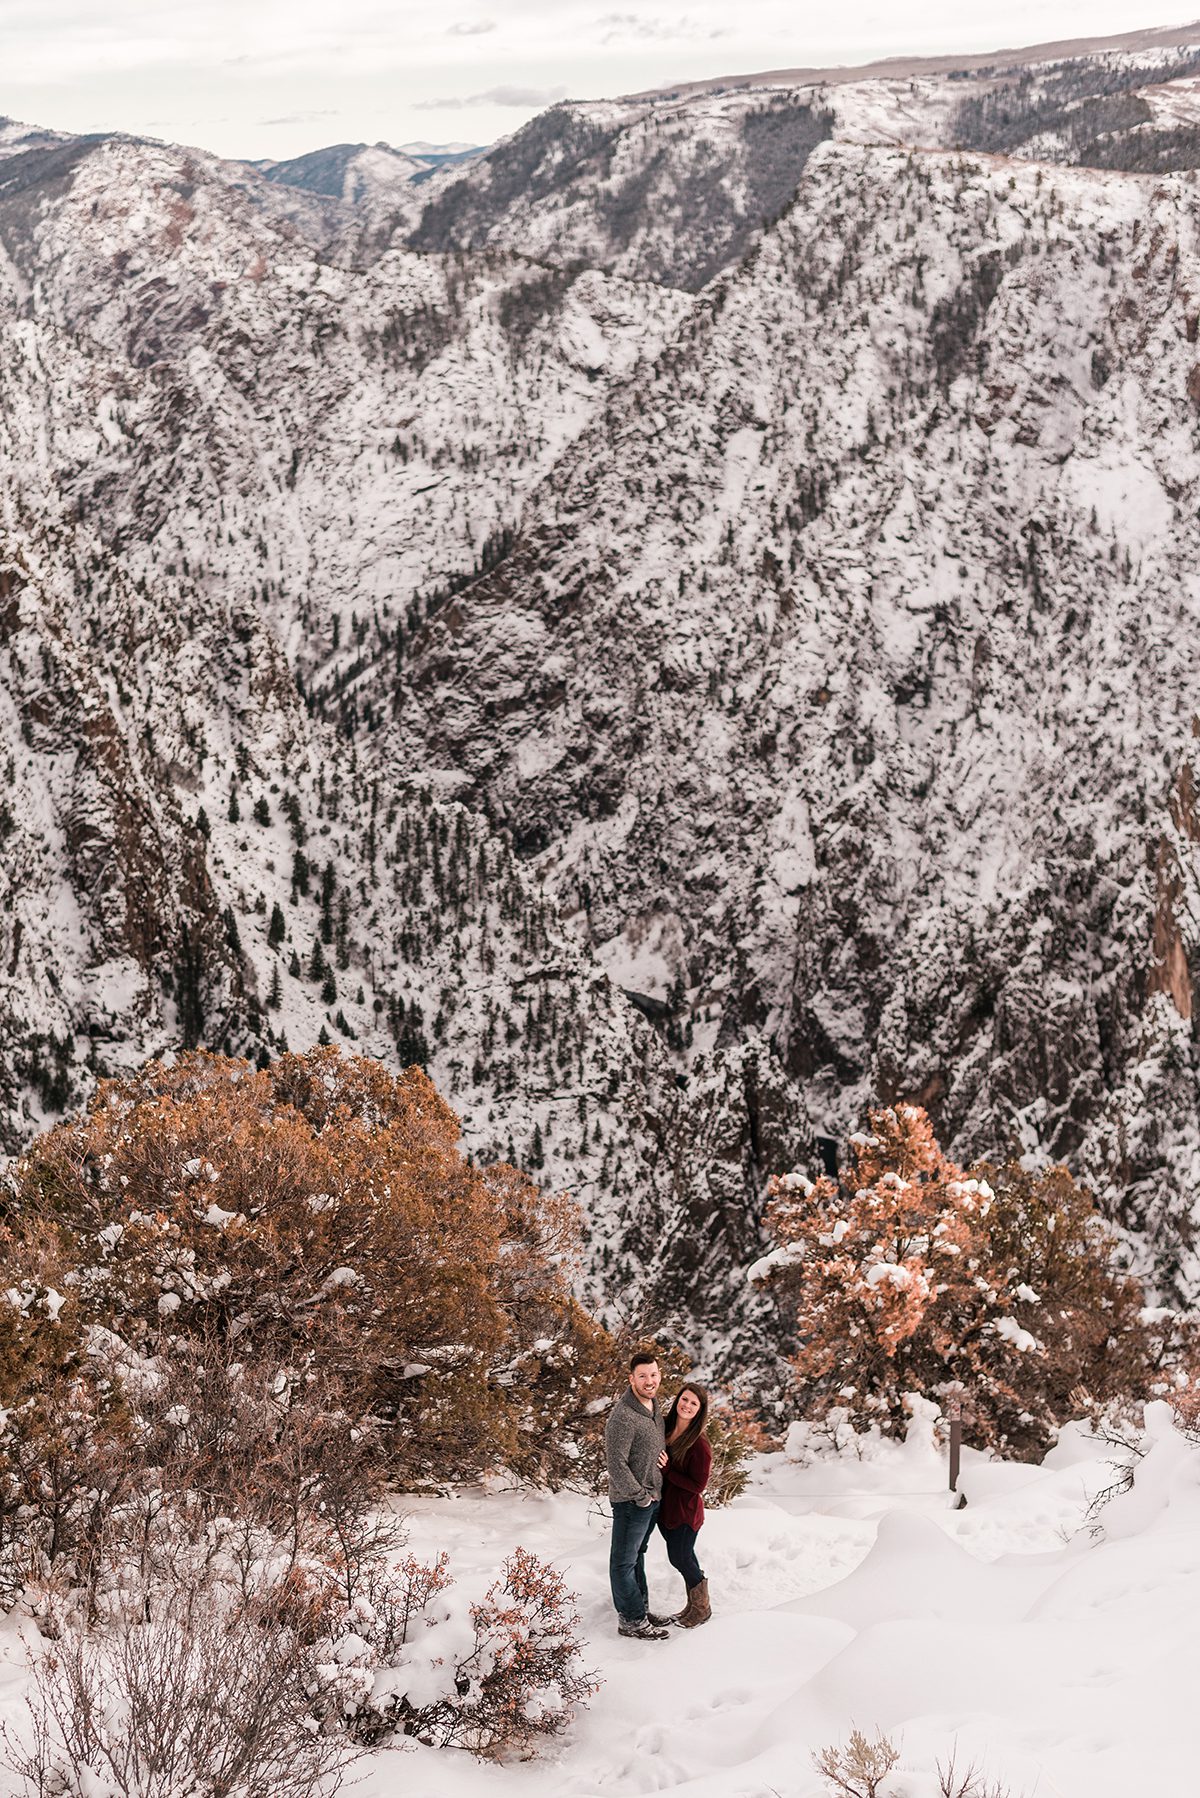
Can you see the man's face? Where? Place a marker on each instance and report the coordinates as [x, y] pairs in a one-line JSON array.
[[645, 1380]]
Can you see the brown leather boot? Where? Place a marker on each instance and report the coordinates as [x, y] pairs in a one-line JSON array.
[[699, 1610], [684, 1618]]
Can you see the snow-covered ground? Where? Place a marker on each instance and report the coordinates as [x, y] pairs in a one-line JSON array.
[[846, 1593], [1059, 1658]]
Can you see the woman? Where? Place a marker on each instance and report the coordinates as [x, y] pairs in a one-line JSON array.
[[689, 1463]]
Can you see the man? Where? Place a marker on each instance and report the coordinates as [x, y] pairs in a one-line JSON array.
[[635, 1450]]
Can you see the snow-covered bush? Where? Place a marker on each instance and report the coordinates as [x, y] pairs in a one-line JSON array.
[[234, 1305], [862, 1768], [735, 1434], [996, 1289], [63, 1425], [522, 1677], [372, 1641], [966, 1782], [189, 1691], [491, 1676], [317, 1216]]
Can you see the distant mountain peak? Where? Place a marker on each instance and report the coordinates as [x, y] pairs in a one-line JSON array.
[[363, 174]]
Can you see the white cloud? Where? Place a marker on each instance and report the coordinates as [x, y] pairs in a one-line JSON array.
[[471, 28], [498, 96], [617, 27], [308, 117]]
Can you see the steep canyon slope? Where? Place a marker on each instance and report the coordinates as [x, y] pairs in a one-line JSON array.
[[229, 463], [845, 670], [768, 592]]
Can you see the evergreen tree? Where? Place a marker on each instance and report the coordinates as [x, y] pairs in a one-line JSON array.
[[327, 886], [202, 824], [262, 811], [276, 929], [289, 805], [235, 812]]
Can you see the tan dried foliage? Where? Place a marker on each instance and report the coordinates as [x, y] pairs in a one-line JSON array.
[[314, 1228], [996, 1288]]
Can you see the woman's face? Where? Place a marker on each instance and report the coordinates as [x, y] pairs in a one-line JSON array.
[[687, 1406]]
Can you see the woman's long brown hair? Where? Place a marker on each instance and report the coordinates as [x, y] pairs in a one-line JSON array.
[[687, 1438]]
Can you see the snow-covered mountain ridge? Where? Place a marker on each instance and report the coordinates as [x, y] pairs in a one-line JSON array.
[[674, 186], [432, 647]]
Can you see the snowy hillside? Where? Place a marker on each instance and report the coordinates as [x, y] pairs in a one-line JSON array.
[[1005, 1635], [665, 193], [889, 753], [700, 642], [385, 189], [186, 511], [346, 171]]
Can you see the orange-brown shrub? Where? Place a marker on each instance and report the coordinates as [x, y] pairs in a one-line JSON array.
[[400, 1656], [64, 1428], [735, 1433], [522, 1677], [315, 1218], [996, 1287], [233, 1304]]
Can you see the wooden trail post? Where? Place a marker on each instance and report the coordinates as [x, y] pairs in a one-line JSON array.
[[956, 1459]]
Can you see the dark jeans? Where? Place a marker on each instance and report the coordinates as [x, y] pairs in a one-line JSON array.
[[631, 1530], [681, 1552]]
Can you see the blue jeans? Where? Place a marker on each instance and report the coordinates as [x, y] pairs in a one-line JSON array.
[[632, 1528], [681, 1552]]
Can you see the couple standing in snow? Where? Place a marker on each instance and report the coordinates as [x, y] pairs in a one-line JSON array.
[[658, 1467]]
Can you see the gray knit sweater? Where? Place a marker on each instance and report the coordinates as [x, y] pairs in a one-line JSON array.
[[633, 1440]]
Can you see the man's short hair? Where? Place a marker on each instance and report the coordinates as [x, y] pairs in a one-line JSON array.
[[643, 1358]]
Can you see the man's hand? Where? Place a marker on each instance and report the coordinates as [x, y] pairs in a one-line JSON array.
[[663, 1458]]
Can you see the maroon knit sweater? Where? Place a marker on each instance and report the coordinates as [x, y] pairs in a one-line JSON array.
[[683, 1488]]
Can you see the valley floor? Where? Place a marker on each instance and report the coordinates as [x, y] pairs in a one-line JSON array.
[[1060, 1660]]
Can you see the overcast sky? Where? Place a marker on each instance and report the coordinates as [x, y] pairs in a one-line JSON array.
[[276, 77]]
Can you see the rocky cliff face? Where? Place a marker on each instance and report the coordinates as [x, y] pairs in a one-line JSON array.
[[678, 705], [230, 465], [890, 558], [660, 192]]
